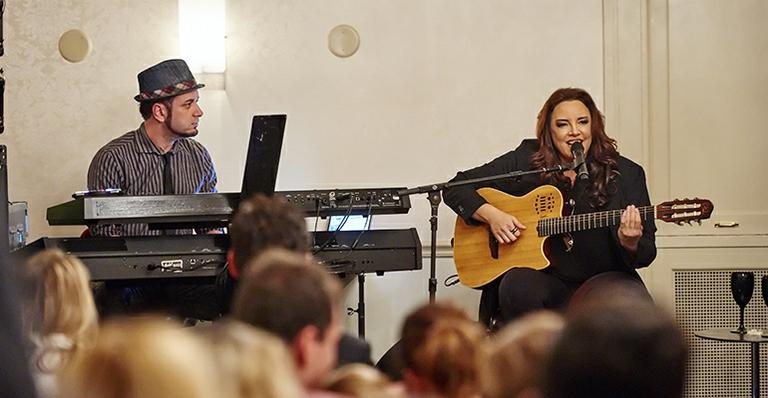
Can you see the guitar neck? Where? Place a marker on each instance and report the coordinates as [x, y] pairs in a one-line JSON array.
[[581, 222]]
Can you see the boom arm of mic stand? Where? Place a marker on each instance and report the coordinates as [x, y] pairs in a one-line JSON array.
[[514, 174], [434, 194]]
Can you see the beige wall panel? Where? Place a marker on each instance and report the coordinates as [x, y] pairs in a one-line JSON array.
[[717, 100]]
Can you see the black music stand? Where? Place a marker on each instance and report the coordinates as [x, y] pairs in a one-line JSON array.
[[434, 195]]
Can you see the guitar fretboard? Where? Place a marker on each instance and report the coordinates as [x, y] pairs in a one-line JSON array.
[[581, 222]]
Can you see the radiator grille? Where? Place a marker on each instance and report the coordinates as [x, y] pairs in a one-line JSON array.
[[703, 300]]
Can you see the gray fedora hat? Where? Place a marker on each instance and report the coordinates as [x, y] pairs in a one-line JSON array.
[[166, 79]]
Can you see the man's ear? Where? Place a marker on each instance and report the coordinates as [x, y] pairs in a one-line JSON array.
[[159, 111], [302, 344], [231, 266]]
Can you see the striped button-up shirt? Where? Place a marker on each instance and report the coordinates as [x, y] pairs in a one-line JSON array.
[[134, 164]]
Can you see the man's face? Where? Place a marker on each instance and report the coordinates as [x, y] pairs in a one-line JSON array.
[[184, 114]]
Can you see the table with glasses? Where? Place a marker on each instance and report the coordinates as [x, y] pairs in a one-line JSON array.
[[727, 335]]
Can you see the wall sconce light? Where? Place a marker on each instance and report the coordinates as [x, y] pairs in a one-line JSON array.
[[202, 34]]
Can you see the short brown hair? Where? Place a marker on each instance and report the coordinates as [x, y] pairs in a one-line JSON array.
[[262, 222], [282, 292]]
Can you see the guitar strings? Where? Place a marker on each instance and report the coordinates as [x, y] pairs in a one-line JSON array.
[[578, 222]]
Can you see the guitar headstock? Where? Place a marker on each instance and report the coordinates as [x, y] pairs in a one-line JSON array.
[[684, 210]]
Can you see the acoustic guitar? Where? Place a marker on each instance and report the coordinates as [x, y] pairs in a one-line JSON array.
[[480, 258]]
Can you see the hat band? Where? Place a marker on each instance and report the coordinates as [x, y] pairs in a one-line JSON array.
[[169, 91]]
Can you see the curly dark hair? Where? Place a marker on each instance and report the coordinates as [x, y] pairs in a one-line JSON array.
[[601, 159]]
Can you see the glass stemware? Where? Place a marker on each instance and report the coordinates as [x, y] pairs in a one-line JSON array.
[[742, 286]]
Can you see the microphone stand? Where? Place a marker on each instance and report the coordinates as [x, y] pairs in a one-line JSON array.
[[434, 195]]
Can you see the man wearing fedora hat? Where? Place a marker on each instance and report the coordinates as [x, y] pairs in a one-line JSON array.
[[160, 157]]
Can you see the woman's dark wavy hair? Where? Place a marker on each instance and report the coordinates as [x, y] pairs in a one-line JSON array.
[[602, 156]]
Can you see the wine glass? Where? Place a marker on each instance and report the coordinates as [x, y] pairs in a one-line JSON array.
[[742, 285]]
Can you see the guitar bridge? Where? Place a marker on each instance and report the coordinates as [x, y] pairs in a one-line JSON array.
[[493, 245]]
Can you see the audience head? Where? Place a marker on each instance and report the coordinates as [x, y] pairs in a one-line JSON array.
[[441, 351], [293, 297], [606, 287], [59, 311], [359, 380], [141, 358], [251, 363], [517, 356], [619, 348], [263, 222]]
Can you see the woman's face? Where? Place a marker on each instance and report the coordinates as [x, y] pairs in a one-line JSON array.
[[570, 122]]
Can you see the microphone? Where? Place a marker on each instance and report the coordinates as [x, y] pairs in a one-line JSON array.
[[579, 164]]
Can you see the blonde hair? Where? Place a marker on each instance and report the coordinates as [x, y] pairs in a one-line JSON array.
[[441, 345], [146, 357], [58, 303], [251, 362], [358, 380], [518, 354]]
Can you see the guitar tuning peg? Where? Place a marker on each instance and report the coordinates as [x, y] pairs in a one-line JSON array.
[[698, 221], [689, 222], [679, 222]]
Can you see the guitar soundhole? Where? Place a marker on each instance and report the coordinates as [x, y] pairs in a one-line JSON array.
[[544, 204]]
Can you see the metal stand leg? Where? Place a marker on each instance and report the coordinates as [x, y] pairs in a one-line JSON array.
[[361, 305], [755, 370], [435, 197]]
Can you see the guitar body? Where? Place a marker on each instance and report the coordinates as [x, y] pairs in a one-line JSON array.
[[480, 259]]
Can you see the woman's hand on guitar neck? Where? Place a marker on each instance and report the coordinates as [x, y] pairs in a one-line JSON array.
[[630, 229], [504, 227]]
